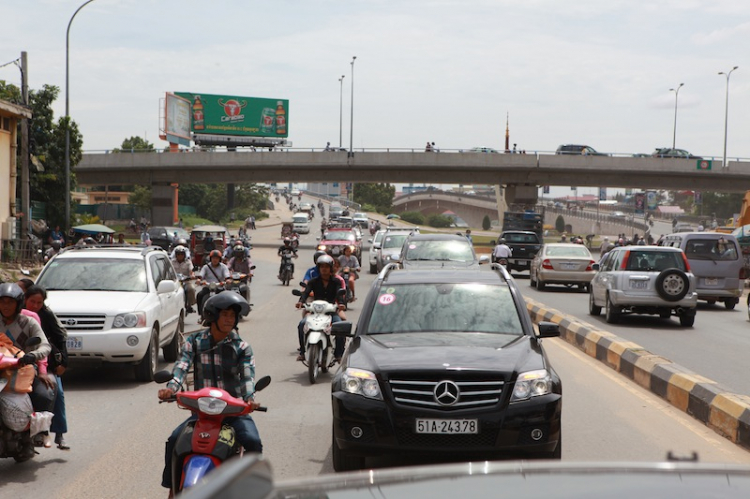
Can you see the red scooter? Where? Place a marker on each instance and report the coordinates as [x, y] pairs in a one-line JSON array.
[[206, 443]]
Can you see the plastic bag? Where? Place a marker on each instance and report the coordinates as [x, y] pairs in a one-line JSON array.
[[15, 409], [40, 422]]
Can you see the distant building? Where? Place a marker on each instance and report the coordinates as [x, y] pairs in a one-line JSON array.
[[10, 114]]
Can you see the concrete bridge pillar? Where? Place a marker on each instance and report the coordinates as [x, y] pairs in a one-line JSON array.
[[162, 203]]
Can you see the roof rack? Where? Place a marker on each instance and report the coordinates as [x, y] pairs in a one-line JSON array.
[[143, 248], [500, 270], [387, 270]]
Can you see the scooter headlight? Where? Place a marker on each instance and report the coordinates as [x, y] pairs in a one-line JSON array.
[[211, 405], [318, 308]]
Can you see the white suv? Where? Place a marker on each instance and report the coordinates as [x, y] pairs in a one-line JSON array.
[[118, 304], [644, 280]]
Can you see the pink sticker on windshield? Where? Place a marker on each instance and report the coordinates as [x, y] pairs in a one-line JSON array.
[[412, 246], [386, 299]]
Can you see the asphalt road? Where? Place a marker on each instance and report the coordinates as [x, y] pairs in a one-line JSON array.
[[118, 429]]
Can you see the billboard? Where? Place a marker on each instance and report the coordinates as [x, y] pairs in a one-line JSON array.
[[234, 115], [177, 119]]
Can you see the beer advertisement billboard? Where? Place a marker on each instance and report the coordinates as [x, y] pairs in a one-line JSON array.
[[177, 119], [234, 115]]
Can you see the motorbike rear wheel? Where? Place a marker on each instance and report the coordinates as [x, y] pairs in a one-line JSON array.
[[313, 365]]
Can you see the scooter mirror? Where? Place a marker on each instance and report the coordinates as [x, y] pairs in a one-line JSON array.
[[262, 383], [162, 376], [296, 292], [33, 342]]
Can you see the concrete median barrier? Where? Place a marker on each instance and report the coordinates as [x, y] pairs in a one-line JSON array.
[[727, 413]]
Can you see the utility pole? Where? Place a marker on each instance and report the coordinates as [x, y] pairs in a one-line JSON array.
[[25, 189]]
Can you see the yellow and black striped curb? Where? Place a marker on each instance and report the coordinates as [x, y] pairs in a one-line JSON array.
[[727, 413]]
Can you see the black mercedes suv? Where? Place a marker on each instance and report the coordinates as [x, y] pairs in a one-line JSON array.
[[445, 362]]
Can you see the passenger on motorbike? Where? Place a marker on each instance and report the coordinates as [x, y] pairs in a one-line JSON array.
[[52, 250], [288, 251], [212, 272], [350, 261], [182, 265], [19, 329], [502, 250], [228, 251], [221, 359], [324, 287], [312, 272]]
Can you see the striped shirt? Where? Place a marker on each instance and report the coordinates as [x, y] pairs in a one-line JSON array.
[[229, 364]]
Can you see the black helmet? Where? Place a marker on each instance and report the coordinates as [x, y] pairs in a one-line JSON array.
[[325, 260], [13, 290], [224, 301], [317, 255], [56, 244]]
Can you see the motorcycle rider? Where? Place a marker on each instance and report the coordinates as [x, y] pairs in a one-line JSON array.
[[181, 242], [19, 329], [212, 272], [502, 250], [184, 266], [241, 263], [312, 272], [52, 250], [286, 250], [324, 287], [221, 359], [349, 260]]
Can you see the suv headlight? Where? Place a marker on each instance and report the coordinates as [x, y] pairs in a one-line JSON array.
[[531, 384], [130, 320], [361, 382]]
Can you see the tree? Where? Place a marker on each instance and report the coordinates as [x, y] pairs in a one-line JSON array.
[[486, 223], [135, 144], [378, 195], [439, 221], [413, 217], [141, 197], [47, 144], [560, 224]]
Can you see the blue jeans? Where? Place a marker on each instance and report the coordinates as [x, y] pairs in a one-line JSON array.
[[244, 430], [340, 343], [59, 420]]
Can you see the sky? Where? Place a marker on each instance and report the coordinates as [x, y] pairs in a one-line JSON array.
[[446, 71]]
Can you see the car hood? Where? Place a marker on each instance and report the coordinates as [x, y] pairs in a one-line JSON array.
[[107, 302], [421, 351], [333, 242]]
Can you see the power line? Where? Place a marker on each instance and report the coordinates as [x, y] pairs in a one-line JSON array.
[[15, 61]]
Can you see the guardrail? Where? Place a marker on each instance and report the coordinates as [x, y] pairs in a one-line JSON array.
[[249, 150]]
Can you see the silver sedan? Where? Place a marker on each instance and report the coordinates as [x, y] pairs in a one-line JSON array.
[[562, 263]]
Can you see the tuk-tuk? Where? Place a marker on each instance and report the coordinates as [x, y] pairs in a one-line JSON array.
[[205, 238], [287, 228]]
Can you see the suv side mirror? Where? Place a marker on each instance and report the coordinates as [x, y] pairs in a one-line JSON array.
[[484, 259], [548, 330], [595, 266], [342, 328], [166, 286]]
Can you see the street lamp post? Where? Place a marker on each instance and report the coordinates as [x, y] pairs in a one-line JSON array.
[[351, 120], [341, 110], [676, 93], [726, 114], [67, 118]]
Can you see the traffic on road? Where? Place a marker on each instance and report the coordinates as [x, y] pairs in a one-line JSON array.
[[432, 358]]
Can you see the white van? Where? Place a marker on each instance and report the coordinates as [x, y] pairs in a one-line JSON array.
[[301, 223], [717, 262]]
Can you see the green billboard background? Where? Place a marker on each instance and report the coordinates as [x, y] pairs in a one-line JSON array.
[[234, 115]]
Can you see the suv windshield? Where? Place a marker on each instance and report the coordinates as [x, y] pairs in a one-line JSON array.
[[439, 250], [95, 274], [394, 241], [655, 260], [445, 308], [521, 238]]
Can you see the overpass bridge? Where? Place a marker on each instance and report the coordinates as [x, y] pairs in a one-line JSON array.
[[522, 173]]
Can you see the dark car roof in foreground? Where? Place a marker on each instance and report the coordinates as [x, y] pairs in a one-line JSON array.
[[437, 237]]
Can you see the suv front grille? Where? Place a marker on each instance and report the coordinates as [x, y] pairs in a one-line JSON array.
[[472, 393], [82, 322]]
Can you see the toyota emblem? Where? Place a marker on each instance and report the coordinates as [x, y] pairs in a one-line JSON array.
[[446, 393], [70, 322]]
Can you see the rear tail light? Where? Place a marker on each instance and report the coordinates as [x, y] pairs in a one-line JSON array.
[[743, 275], [687, 265], [588, 267], [546, 265], [625, 259]]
